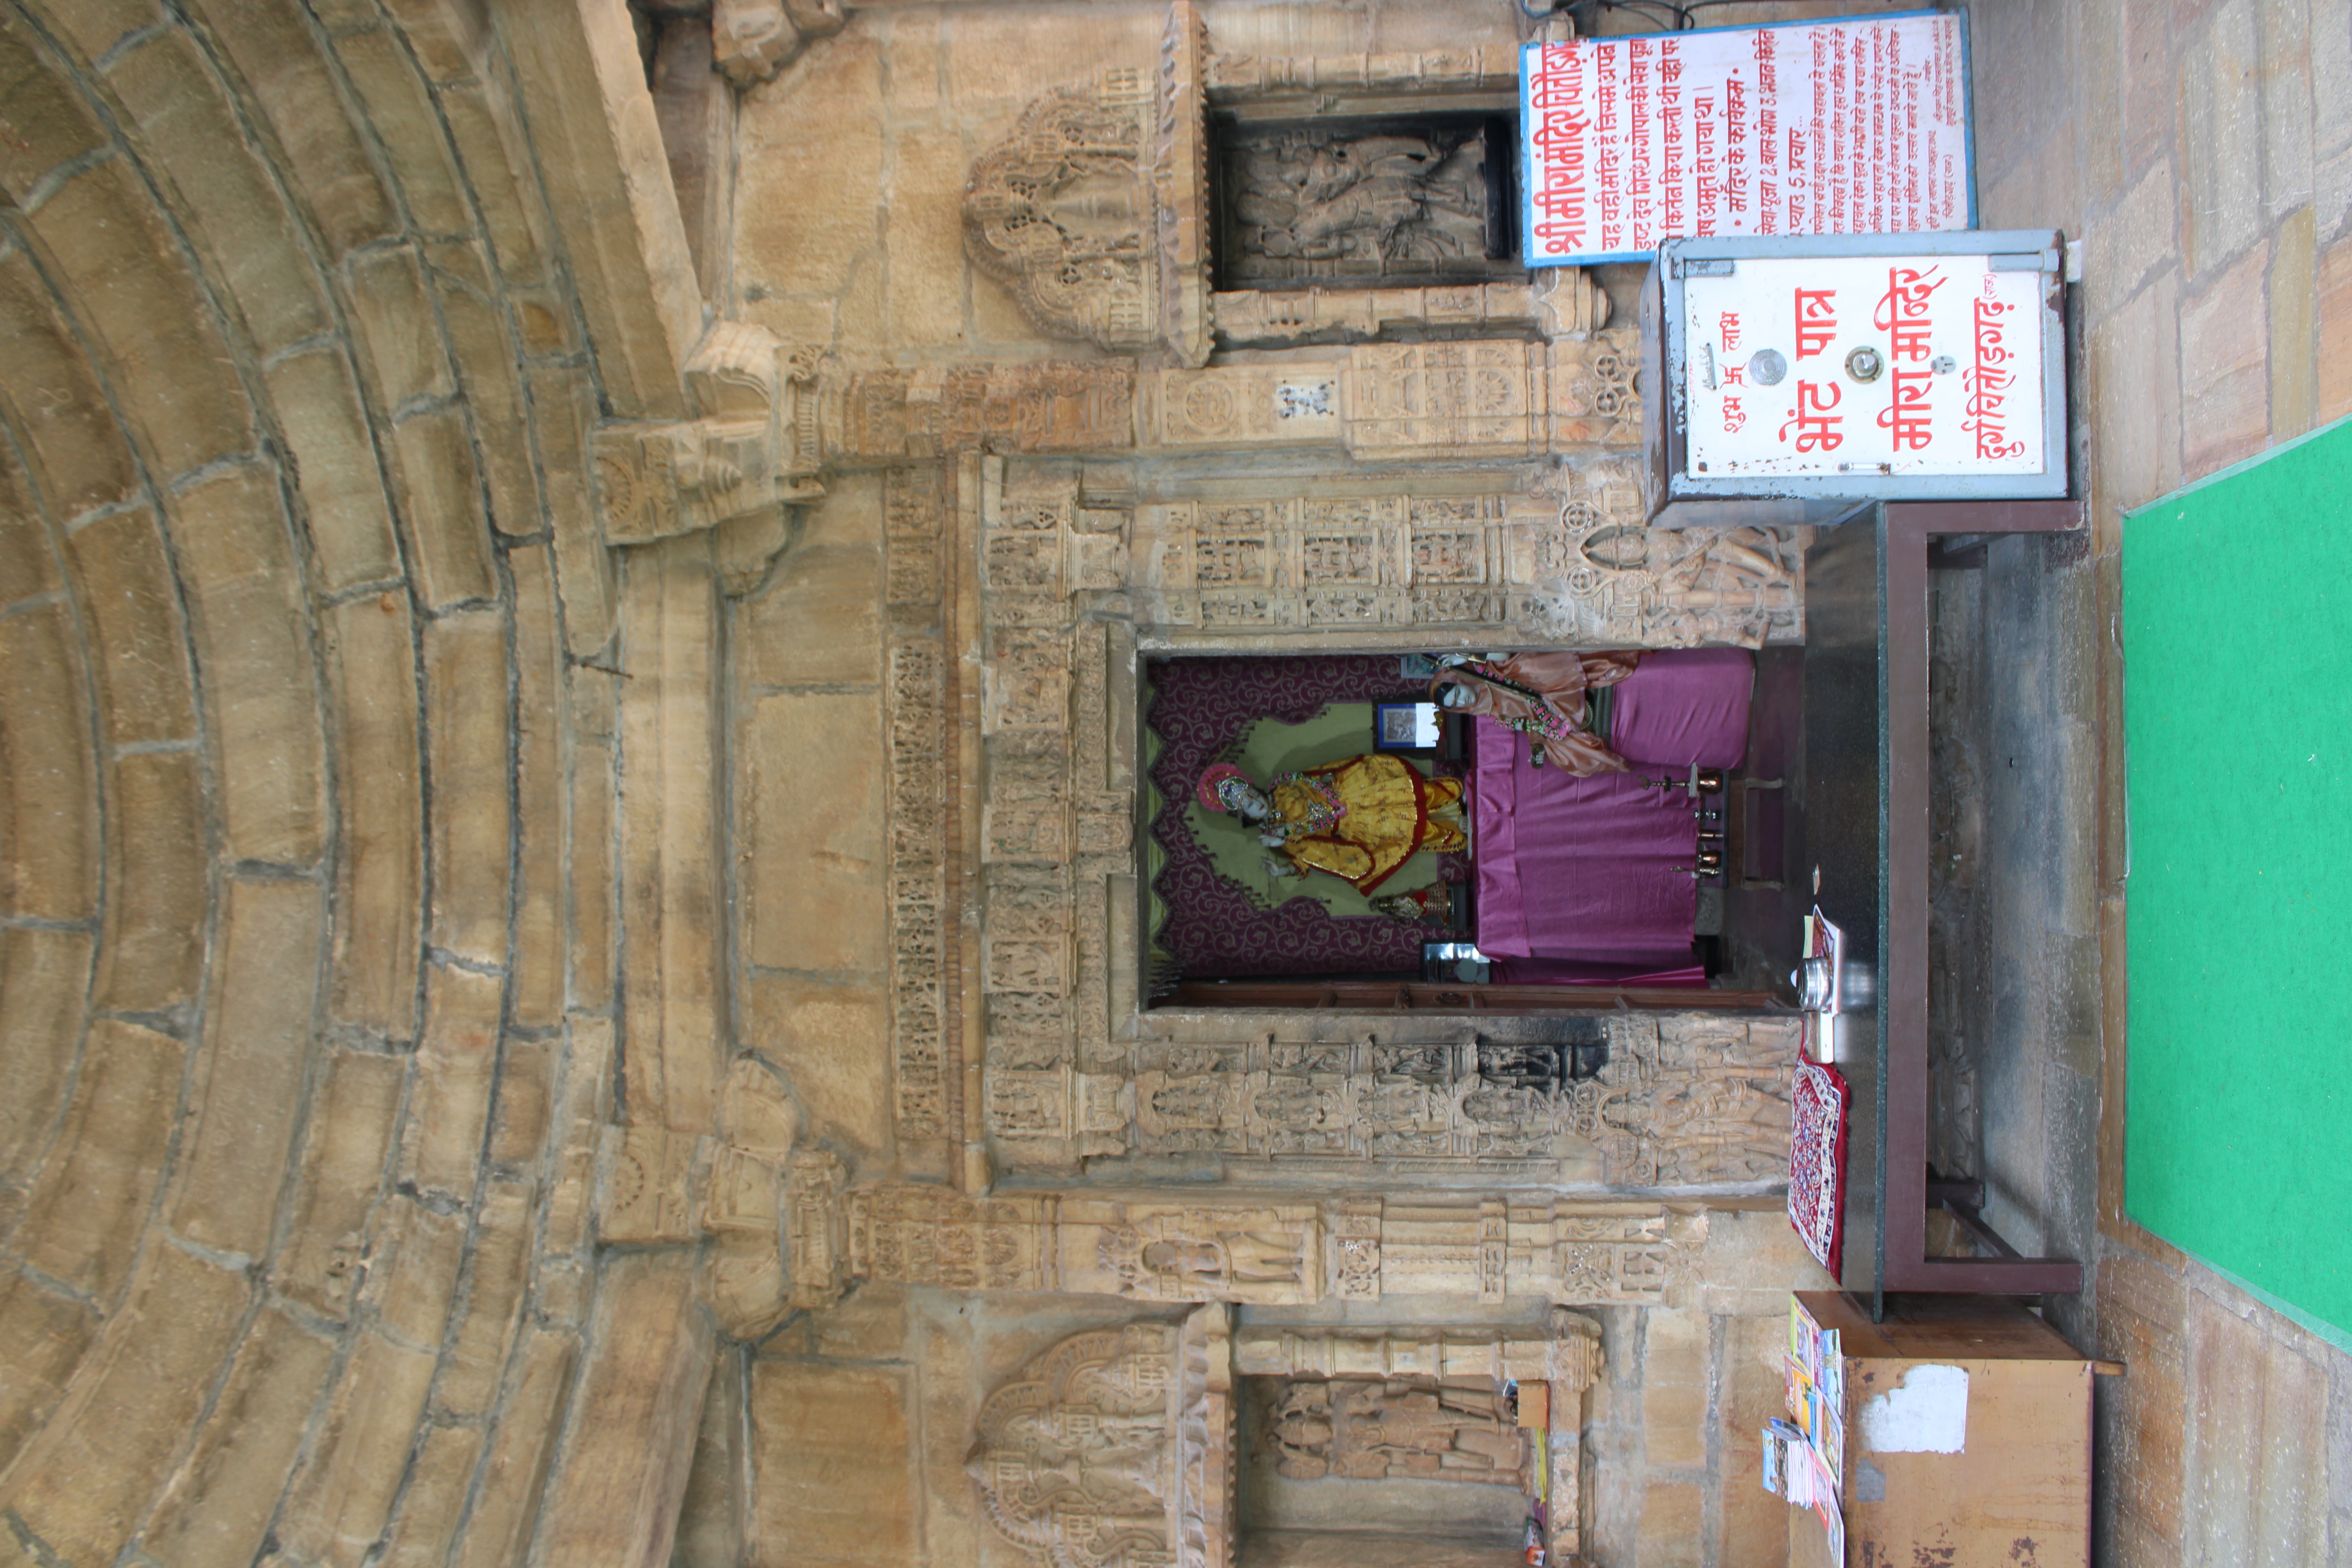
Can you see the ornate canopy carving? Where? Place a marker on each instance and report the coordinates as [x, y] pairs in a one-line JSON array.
[[1092, 211], [1113, 1449]]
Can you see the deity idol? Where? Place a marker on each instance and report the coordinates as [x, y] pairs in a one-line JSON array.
[[1359, 819], [1541, 695]]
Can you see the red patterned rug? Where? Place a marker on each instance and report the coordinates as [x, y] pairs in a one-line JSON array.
[[1817, 1161]]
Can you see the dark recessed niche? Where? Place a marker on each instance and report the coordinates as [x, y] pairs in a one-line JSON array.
[[1410, 199]]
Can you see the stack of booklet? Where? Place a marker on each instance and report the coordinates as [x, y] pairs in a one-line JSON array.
[[1804, 1455]]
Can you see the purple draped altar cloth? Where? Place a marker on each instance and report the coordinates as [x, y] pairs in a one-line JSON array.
[[1589, 878], [1199, 708]]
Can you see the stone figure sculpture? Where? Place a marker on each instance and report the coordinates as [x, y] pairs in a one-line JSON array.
[[1373, 203], [1371, 1430]]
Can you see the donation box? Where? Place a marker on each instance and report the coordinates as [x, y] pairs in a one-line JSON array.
[[1802, 375]]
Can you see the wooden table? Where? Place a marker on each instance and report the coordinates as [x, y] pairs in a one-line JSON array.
[[2019, 1490], [1865, 826]]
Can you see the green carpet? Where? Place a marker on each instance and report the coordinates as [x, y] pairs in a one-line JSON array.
[[2237, 626]]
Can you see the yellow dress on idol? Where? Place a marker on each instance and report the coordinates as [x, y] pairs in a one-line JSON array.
[[1357, 819]]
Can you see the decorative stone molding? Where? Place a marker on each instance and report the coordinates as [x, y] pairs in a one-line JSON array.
[[1091, 212], [1320, 79], [1689, 1100], [754, 448], [751, 41], [1116, 1448], [1563, 302], [1251, 1249]]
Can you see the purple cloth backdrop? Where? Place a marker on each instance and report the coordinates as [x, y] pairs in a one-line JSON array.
[[1586, 869], [1200, 706]]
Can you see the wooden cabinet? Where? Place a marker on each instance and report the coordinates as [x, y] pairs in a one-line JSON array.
[[2015, 1490]]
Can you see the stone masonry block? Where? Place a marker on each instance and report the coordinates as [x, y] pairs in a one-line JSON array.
[[132, 289], [343, 495], [441, 504], [46, 1336], [44, 979], [541, 798], [456, 1067], [77, 448], [514, 1473], [221, 1498], [1673, 1524], [51, 123], [345, 1151], [829, 1466], [280, 60], [413, 1268], [48, 808], [813, 783], [513, 219], [494, 1285], [380, 887], [116, 1443], [135, 609], [182, 123], [28, 566], [2225, 369], [631, 1443], [89, 1211], [466, 718], [399, 109], [2334, 310], [485, 356], [395, 318], [253, 644], [436, 1499], [158, 871], [341, 1500], [257, 1038]]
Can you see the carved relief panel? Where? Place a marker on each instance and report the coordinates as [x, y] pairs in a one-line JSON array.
[[1401, 201], [1113, 1449]]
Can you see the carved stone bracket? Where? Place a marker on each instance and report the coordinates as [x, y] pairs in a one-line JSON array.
[[746, 1190], [1093, 211], [751, 41], [1116, 1448], [754, 449]]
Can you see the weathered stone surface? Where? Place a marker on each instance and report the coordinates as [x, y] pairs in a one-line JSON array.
[[819, 620], [640, 1402], [514, 1473], [396, 324], [513, 217], [413, 1270], [260, 686], [220, 1501], [812, 784], [828, 1465], [58, 126], [493, 1295], [1674, 1387], [345, 1151], [380, 875], [90, 1209], [279, 61], [158, 870], [825, 139], [318, 407], [44, 978], [669, 835], [181, 119], [86, 1485], [28, 565], [2225, 369], [540, 796], [2333, 311], [173, 372], [397, 108], [467, 721], [134, 614], [441, 506], [1672, 1526], [48, 845], [600, 151], [436, 1498], [258, 1037], [46, 1336], [77, 448], [485, 356], [831, 1038], [342, 1497], [456, 1066]]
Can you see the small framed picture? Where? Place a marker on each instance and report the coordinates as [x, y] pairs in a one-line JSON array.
[[1405, 726]]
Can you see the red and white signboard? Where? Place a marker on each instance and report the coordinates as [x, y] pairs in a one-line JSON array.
[[1894, 365], [1856, 126]]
